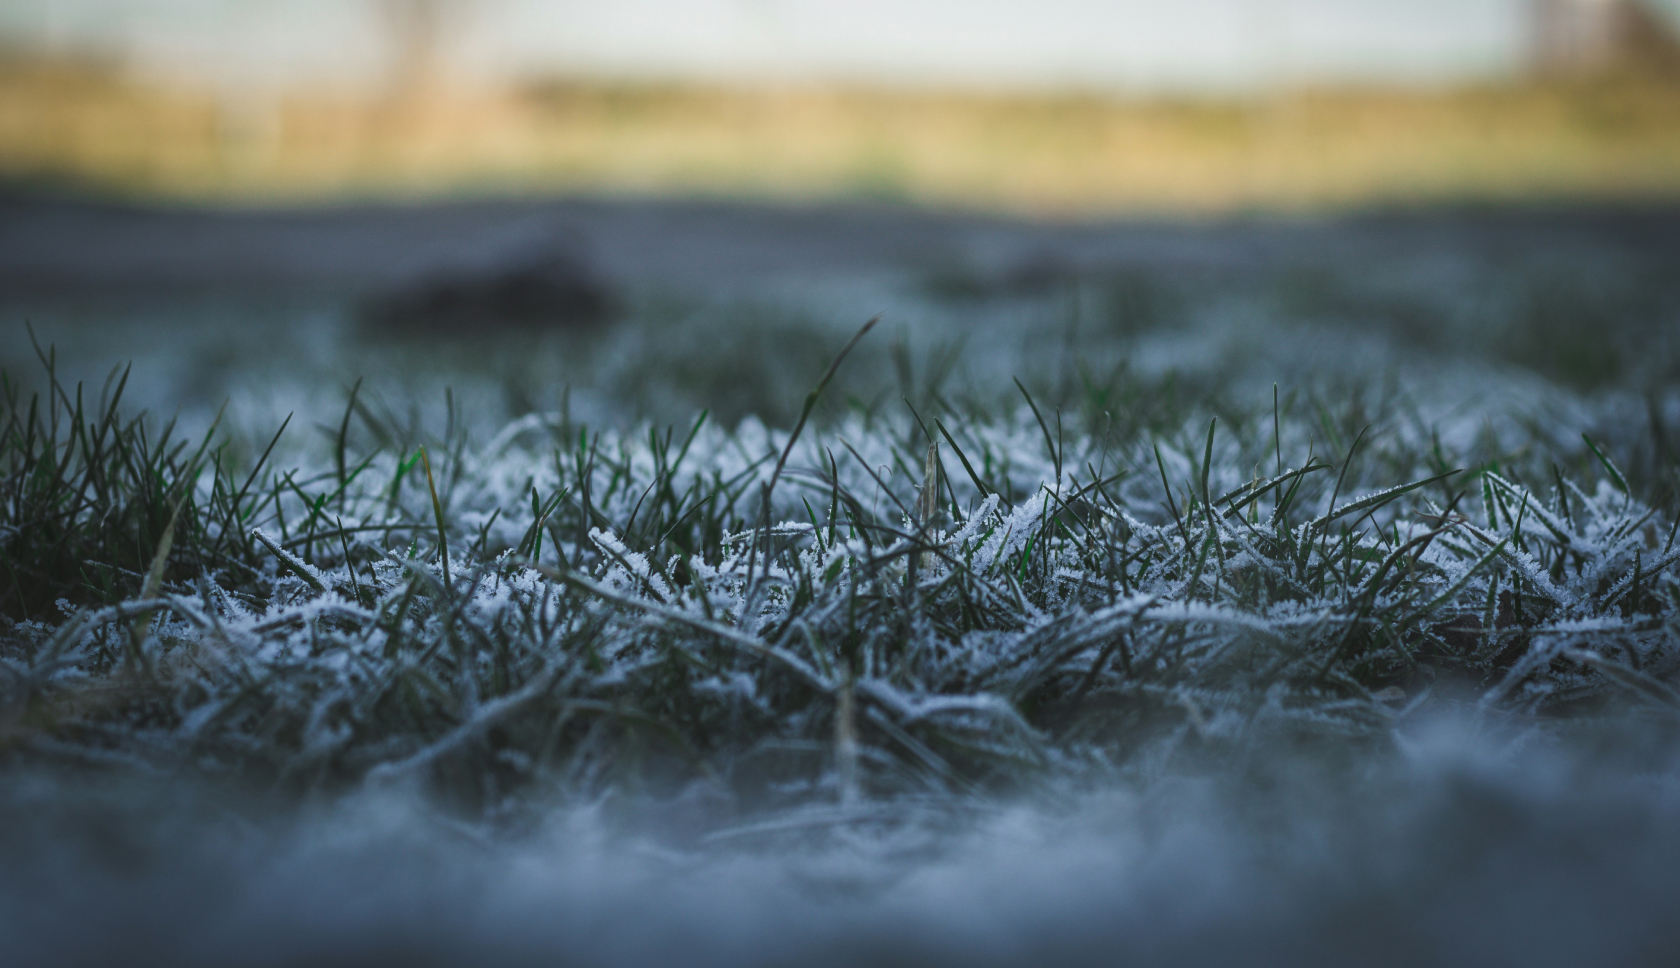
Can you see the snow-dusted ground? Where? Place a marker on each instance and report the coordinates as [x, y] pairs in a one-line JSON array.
[[1459, 848], [721, 301], [1502, 820]]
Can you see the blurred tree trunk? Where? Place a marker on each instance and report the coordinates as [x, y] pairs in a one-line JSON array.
[[1574, 38], [415, 29]]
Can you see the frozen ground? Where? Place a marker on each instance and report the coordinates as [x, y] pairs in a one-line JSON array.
[[1455, 851], [1151, 734], [717, 301]]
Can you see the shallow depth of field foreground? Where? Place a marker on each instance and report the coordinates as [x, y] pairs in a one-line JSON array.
[[1251, 592]]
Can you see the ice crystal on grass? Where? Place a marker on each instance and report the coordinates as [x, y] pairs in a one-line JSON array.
[[583, 608]]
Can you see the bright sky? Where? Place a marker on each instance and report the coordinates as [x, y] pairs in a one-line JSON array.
[[1148, 44]]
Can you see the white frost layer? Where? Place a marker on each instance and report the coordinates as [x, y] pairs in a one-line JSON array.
[[1453, 851]]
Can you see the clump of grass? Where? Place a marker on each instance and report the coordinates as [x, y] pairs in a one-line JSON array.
[[947, 602], [90, 494]]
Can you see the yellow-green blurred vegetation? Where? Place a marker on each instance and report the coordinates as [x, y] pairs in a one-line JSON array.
[[85, 125]]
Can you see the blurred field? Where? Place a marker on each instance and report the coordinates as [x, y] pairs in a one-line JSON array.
[[88, 125]]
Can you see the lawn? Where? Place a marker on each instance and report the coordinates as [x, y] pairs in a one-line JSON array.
[[1316, 610]]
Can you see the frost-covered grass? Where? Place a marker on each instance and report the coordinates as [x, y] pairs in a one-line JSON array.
[[954, 601], [1143, 663], [1129, 692]]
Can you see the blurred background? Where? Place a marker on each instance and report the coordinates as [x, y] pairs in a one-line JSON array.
[[647, 207], [1059, 106]]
